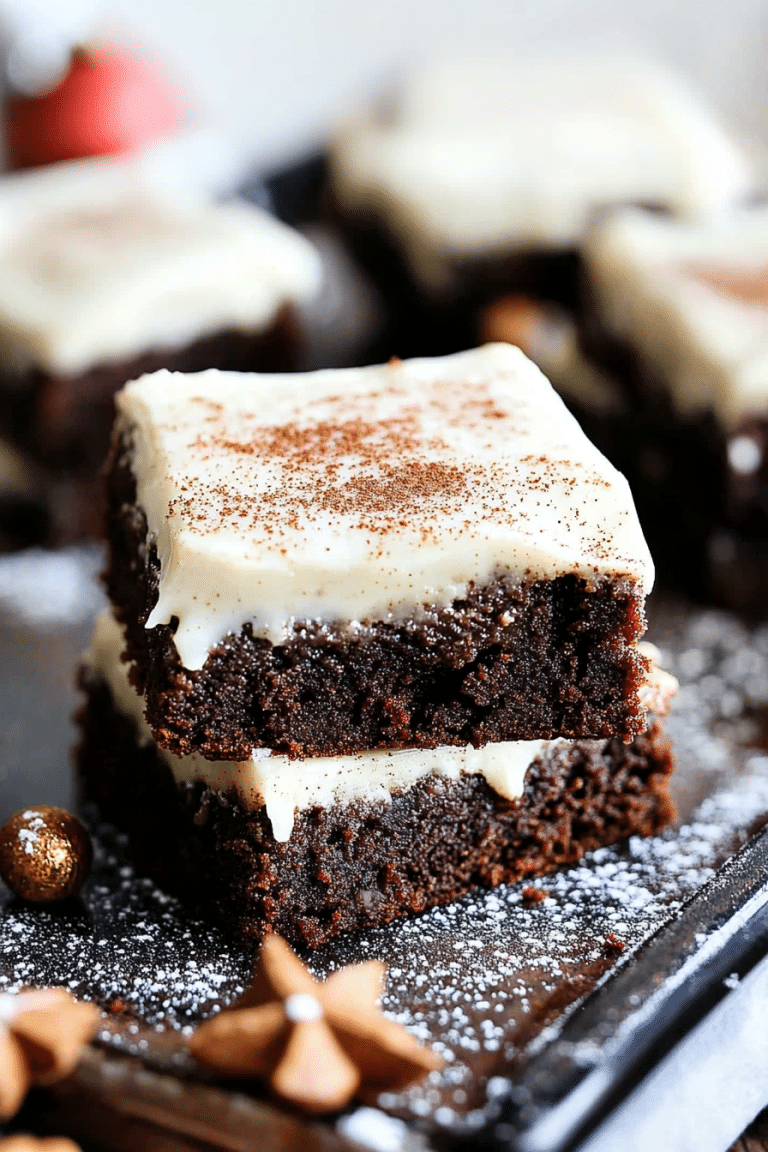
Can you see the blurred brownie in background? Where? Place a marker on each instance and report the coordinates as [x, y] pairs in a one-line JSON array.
[[671, 470], [677, 314], [667, 369], [482, 178], [106, 274]]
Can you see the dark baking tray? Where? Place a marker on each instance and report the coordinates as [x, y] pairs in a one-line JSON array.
[[625, 1010]]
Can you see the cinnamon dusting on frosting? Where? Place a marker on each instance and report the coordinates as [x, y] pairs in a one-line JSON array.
[[365, 494], [382, 475]]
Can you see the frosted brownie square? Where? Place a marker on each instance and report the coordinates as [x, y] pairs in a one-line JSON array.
[[313, 847], [482, 177], [417, 554], [105, 274]]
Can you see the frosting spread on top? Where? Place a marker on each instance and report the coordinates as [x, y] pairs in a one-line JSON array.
[[356, 495], [286, 786], [692, 299], [493, 156], [98, 263]]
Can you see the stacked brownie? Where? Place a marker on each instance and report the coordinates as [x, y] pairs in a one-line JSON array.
[[483, 177], [373, 641], [107, 272]]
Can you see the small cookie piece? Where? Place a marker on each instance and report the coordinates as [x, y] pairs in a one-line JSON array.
[[42, 1033], [45, 854]]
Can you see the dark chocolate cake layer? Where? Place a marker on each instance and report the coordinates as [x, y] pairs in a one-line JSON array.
[[64, 422], [365, 863], [535, 661]]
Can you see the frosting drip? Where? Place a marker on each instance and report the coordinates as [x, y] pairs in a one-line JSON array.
[[286, 786]]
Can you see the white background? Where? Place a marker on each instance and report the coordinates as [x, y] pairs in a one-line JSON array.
[[278, 73]]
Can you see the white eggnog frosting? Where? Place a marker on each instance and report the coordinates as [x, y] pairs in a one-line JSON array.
[[495, 156], [98, 263], [692, 300], [286, 786], [356, 495]]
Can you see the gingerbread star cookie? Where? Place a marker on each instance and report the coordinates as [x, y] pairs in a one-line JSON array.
[[317, 1044]]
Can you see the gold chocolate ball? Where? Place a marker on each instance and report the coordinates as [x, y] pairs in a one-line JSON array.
[[45, 854]]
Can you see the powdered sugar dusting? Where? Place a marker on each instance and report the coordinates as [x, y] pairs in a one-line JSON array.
[[131, 948], [28, 837], [482, 979]]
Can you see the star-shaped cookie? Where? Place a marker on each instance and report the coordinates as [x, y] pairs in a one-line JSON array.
[[317, 1044]]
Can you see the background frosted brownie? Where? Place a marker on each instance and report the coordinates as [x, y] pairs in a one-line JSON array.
[[413, 555], [483, 178], [676, 316], [105, 274], [673, 472], [314, 847]]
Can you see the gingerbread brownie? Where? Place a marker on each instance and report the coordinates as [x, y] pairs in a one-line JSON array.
[[373, 641], [106, 273], [482, 178], [676, 316], [310, 849], [417, 554]]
